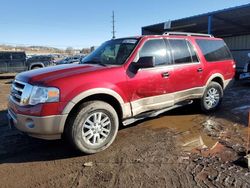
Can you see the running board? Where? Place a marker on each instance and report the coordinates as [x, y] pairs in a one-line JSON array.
[[151, 114]]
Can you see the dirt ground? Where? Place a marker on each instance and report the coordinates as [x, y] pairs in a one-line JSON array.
[[181, 148]]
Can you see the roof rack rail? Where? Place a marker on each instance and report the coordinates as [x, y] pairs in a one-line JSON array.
[[188, 34]]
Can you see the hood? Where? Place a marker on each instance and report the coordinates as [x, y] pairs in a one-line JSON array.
[[48, 74]]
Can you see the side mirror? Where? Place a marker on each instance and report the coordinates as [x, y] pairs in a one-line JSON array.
[[145, 62]]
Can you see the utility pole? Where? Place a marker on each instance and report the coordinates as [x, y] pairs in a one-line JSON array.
[[113, 25]]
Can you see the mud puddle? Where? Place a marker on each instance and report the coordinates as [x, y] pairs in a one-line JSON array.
[[204, 135], [188, 131]]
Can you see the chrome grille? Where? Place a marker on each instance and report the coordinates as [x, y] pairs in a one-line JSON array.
[[17, 91], [20, 92]]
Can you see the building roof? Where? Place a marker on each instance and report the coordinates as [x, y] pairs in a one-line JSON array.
[[227, 22]]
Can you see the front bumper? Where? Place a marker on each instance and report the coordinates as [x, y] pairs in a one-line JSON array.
[[44, 127]]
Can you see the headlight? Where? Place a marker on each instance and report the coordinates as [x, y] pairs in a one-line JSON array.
[[43, 95]]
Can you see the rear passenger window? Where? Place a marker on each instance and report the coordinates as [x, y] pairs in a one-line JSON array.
[[214, 50], [180, 51], [156, 48]]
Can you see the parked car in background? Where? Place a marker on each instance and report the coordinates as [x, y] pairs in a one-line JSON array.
[[245, 73], [123, 80], [12, 62], [71, 60], [40, 61]]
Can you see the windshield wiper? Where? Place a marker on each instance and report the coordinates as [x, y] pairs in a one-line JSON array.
[[95, 62]]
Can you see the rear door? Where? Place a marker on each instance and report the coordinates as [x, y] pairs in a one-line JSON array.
[[151, 88], [188, 70]]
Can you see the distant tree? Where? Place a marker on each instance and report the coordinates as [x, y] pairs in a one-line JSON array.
[[69, 50], [85, 51]]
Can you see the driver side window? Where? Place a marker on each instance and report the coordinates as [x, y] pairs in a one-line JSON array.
[[156, 48]]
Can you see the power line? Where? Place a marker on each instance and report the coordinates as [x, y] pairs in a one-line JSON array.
[[113, 25]]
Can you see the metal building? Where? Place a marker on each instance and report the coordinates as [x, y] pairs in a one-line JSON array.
[[232, 24]]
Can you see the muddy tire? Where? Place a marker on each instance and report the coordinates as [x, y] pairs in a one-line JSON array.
[[212, 97], [94, 127]]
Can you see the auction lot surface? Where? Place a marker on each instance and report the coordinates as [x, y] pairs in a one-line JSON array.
[[181, 148]]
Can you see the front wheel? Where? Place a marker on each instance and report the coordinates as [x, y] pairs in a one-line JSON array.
[[94, 127], [212, 97]]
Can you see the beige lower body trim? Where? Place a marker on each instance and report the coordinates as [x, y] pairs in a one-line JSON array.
[[126, 110], [45, 127], [189, 94], [166, 100], [170, 99], [152, 103]]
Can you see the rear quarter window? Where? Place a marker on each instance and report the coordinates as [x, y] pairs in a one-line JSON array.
[[214, 50]]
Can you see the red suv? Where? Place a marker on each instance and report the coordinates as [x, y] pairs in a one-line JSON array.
[[123, 80]]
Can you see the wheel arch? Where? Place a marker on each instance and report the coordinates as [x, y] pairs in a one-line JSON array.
[[107, 95], [36, 64], [217, 77]]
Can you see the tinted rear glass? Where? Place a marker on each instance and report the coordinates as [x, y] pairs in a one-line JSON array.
[[214, 50]]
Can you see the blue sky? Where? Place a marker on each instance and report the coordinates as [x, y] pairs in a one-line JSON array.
[[84, 23]]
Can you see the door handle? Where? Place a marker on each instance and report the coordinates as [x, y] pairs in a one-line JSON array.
[[199, 70], [165, 75]]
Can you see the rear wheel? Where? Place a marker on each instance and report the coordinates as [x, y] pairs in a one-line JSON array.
[[212, 97], [94, 127]]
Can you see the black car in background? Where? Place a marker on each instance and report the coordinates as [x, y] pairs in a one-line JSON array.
[[40, 61], [12, 62]]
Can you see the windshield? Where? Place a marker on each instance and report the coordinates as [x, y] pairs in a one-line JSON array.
[[113, 52]]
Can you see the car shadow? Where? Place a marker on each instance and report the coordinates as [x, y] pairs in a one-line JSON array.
[[16, 147]]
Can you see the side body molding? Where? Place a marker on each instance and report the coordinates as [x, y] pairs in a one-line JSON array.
[[126, 109]]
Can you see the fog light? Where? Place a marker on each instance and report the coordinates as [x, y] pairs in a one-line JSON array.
[[30, 124]]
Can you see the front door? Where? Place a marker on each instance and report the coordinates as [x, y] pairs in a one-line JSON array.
[[151, 88]]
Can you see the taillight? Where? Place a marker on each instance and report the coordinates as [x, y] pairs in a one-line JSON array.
[[234, 64]]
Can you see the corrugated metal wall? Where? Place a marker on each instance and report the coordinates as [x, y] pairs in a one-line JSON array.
[[240, 48], [238, 42]]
